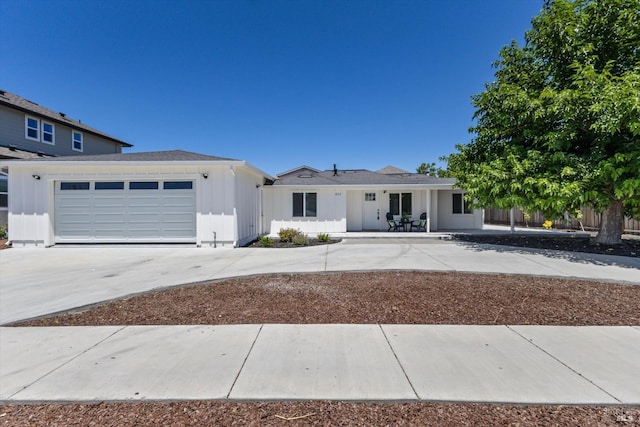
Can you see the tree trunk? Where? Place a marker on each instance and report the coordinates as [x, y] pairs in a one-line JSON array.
[[611, 224]]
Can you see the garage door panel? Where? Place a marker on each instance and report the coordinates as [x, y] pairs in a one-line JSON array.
[[124, 215]]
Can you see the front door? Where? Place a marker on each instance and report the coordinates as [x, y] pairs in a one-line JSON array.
[[370, 212]]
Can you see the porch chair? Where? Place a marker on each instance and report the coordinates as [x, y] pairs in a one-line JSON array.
[[421, 224], [393, 224]]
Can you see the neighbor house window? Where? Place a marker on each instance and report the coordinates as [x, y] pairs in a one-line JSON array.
[[460, 205], [32, 128], [76, 142], [400, 204], [369, 197], [305, 204], [48, 133]]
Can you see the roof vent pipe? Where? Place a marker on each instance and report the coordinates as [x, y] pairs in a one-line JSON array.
[[335, 170]]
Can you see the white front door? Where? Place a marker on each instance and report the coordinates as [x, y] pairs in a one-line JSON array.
[[370, 211]]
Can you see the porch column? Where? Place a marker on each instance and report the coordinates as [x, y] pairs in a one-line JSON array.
[[428, 198]]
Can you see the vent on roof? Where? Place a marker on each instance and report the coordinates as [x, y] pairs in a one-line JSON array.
[[12, 148], [62, 114], [41, 154], [34, 103], [305, 175]]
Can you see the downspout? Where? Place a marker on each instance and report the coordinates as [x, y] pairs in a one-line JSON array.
[[234, 202]]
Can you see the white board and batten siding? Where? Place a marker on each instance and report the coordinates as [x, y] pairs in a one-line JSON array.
[[331, 215]]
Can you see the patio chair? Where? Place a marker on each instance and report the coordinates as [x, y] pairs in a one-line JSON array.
[[393, 224], [421, 224]]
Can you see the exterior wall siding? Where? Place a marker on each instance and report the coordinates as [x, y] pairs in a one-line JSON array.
[[331, 211], [447, 220]]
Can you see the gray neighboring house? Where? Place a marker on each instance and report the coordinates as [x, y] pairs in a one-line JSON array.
[[30, 131]]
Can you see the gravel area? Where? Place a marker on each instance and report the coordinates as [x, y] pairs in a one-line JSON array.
[[372, 297]]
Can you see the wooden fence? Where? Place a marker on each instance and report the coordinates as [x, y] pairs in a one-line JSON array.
[[590, 220]]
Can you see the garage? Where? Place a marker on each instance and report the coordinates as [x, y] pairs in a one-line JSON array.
[[144, 211]]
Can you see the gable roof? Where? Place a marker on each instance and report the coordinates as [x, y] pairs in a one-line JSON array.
[[358, 177], [17, 102], [392, 170], [304, 169]]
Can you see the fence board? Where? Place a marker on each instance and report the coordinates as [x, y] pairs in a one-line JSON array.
[[590, 220]]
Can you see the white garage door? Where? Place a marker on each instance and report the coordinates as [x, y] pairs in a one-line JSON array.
[[125, 211]]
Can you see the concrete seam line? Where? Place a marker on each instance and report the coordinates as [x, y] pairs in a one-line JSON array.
[[326, 258], [399, 363], [541, 264], [562, 363], [244, 362], [67, 362], [433, 258]]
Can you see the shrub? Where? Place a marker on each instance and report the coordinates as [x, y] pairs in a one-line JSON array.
[[547, 225], [323, 237], [288, 234], [3, 231], [266, 241], [300, 240]]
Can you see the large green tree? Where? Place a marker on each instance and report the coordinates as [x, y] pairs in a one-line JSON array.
[[560, 125]]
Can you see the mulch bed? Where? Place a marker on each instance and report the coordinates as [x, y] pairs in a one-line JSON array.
[[207, 413], [572, 242], [369, 298], [278, 244]]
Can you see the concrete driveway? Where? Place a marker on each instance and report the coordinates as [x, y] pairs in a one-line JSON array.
[[39, 281]]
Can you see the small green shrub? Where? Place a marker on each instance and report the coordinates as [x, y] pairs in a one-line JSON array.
[[323, 237], [288, 234], [265, 241], [301, 240], [3, 231]]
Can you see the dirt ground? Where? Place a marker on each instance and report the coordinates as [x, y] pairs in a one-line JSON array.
[[374, 297]]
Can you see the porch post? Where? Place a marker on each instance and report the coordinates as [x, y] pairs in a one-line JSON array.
[[428, 198]]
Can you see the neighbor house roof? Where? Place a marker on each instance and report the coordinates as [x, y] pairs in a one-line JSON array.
[[392, 170], [12, 152], [17, 102], [356, 177]]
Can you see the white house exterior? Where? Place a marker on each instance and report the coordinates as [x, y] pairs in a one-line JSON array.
[[158, 197], [338, 201]]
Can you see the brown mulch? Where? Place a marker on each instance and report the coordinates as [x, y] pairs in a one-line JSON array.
[[3, 244], [208, 413], [571, 242], [373, 297]]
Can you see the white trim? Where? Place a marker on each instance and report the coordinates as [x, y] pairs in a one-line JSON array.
[[73, 141], [53, 132], [27, 127]]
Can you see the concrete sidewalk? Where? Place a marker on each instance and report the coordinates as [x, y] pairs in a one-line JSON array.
[[509, 364]]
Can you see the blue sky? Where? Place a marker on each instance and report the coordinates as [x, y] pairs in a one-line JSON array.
[[278, 83]]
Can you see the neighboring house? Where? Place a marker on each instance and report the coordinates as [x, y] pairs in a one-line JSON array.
[[28, 131], [337, 201], [155, 197]]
